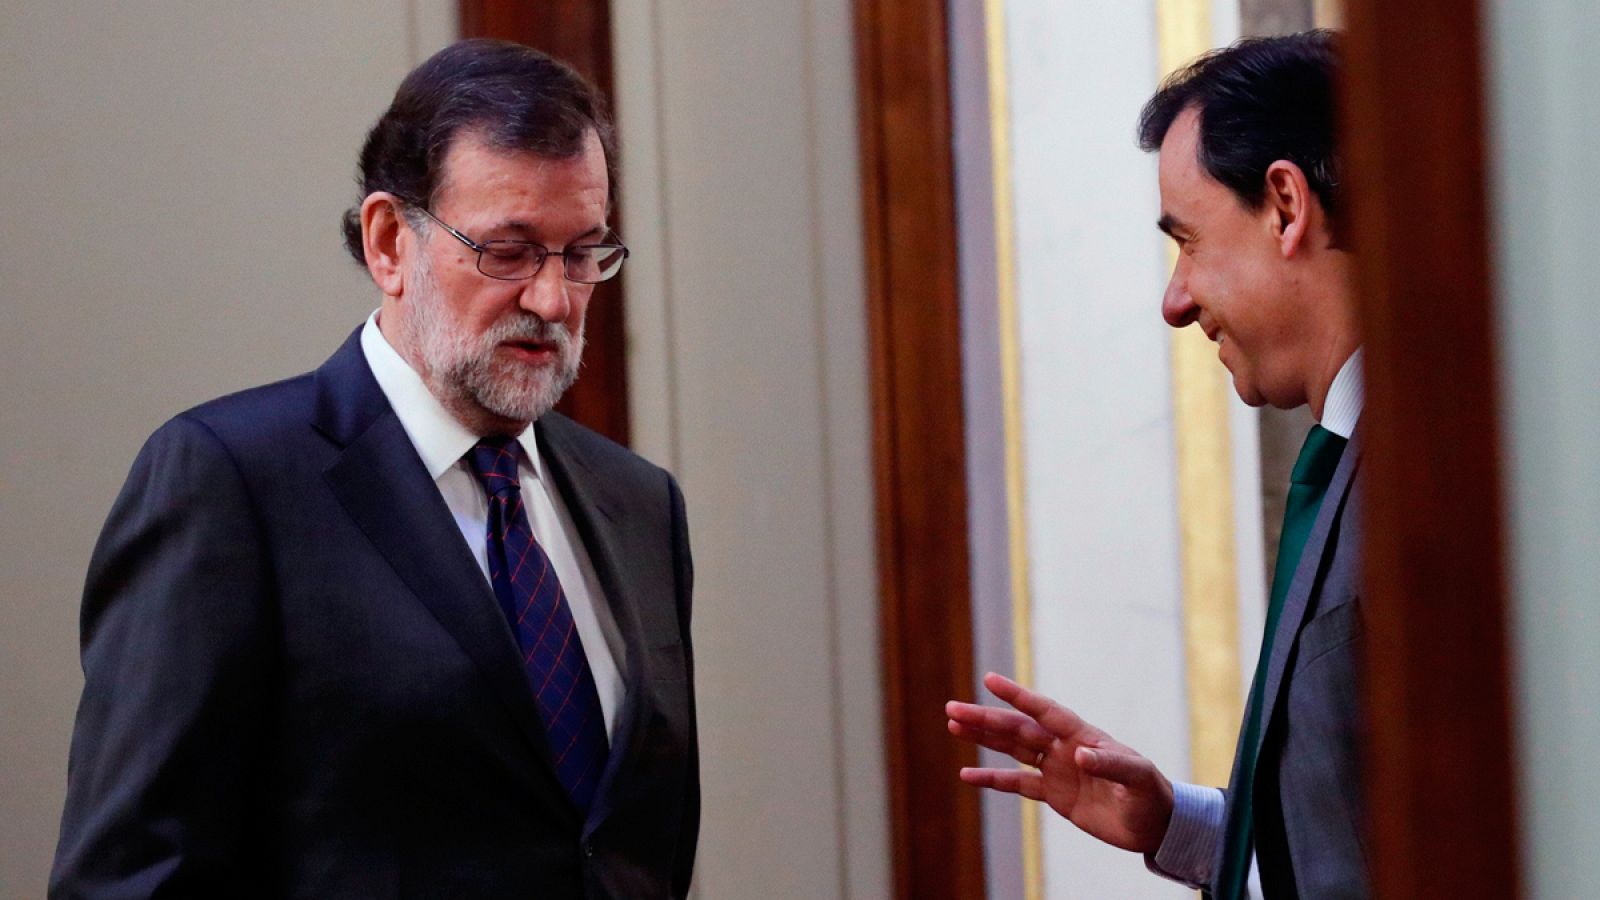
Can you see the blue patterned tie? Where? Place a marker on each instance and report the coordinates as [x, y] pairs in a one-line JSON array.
[[552, 653]]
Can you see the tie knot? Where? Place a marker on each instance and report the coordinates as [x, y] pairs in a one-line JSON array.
[[1319, 456], [494, 460]]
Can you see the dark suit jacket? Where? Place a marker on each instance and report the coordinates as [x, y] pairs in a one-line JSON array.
[[298, 682], [1309, 821]]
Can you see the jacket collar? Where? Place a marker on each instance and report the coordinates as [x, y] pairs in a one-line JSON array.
[[385, 487], [1308, 575]]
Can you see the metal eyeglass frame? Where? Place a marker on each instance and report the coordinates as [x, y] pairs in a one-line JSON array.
[[541, 252]]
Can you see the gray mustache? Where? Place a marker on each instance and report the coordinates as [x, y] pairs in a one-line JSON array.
[[529, 328]]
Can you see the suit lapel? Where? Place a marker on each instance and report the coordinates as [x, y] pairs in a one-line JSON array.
[[598, 515], [383, 485], [1307, 578]]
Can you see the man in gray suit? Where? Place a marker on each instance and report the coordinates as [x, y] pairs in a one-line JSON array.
[[1249, 193], [393, 627]]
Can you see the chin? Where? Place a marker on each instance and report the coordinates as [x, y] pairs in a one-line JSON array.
[[1259, 397], [1247, 391], [522, 396]]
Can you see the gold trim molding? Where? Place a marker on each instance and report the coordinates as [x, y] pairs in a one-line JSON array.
[[994, 20], [1205, 488]]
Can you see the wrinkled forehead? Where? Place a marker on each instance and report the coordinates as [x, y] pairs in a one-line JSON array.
[[475, 165], [482, 176]]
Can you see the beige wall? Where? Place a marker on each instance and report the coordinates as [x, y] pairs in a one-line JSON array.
[[172, 176], [749, 377]]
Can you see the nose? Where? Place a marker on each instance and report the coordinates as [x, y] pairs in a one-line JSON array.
[[1177, 306], [548, 293]]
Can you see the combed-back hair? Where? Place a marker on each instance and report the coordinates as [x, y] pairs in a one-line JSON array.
[[1259, 100], [509, 96]]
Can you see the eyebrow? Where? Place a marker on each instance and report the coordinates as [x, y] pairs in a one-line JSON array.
[[1169, 225], [527, 227]]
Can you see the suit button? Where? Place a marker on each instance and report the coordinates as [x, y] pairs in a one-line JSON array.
[[588, 850]]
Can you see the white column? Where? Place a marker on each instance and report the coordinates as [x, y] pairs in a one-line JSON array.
[[1098, 434], [1101, 526]]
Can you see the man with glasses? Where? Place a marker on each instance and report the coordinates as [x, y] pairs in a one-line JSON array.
[[394, 626]]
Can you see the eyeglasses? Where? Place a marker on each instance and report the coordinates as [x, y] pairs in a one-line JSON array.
[[517, 260]]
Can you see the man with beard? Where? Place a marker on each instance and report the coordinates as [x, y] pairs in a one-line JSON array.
[[393, 626]]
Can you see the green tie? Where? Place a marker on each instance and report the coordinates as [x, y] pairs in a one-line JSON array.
[[1319, 456]]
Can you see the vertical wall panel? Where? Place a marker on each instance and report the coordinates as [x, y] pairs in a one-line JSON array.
[[993, 608], [748, 361], [1543, 139], [1098, 432]]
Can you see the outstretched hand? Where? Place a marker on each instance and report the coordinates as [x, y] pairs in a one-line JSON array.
[[1099, 785]]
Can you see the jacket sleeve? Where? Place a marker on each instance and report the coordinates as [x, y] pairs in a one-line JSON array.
[[683, 868], [166, 752]]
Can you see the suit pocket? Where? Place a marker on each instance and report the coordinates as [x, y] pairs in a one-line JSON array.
[[1333, 629]]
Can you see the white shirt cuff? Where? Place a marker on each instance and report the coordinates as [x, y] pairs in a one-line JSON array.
[[1189, 850]]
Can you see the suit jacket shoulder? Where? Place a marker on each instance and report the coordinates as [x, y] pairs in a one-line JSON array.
[[599, 452], [298, 683]]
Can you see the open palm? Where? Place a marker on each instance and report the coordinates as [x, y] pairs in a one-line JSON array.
[[1087, 777]]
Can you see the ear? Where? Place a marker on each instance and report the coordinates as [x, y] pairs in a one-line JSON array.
[[1292, 205], [387, 241]]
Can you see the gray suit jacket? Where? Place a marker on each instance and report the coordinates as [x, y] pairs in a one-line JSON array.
[[1310, 747], [298, 682]]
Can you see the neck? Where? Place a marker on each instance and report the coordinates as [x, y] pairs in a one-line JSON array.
[[475, 418], [1325, 370], [1333, 309]]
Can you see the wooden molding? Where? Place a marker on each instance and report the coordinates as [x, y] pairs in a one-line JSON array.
[[919, 444], [1440, 793], [579, 33]]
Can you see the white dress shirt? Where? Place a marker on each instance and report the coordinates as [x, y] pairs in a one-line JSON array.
[[1197, 823], [442, 442], [1342, 407]]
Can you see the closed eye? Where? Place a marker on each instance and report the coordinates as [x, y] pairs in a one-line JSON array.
[[509, 250]]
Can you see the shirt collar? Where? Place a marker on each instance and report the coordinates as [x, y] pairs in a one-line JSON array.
[[1345, 397], [440, 439]]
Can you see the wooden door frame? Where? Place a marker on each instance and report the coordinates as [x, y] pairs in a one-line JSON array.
[[578, 32], [1440, 790], [919, 449]]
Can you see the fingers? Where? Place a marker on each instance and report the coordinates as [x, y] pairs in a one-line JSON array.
[[999, 721], [1002, 730], [1029, 702], [1128, 769], [1055, 718], [1020, 751], [1012, 781]]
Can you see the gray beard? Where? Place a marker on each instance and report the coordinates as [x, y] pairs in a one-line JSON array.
[[463, 371]]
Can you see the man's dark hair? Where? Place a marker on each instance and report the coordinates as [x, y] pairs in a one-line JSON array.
[[1260, 100], [510, 96]]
